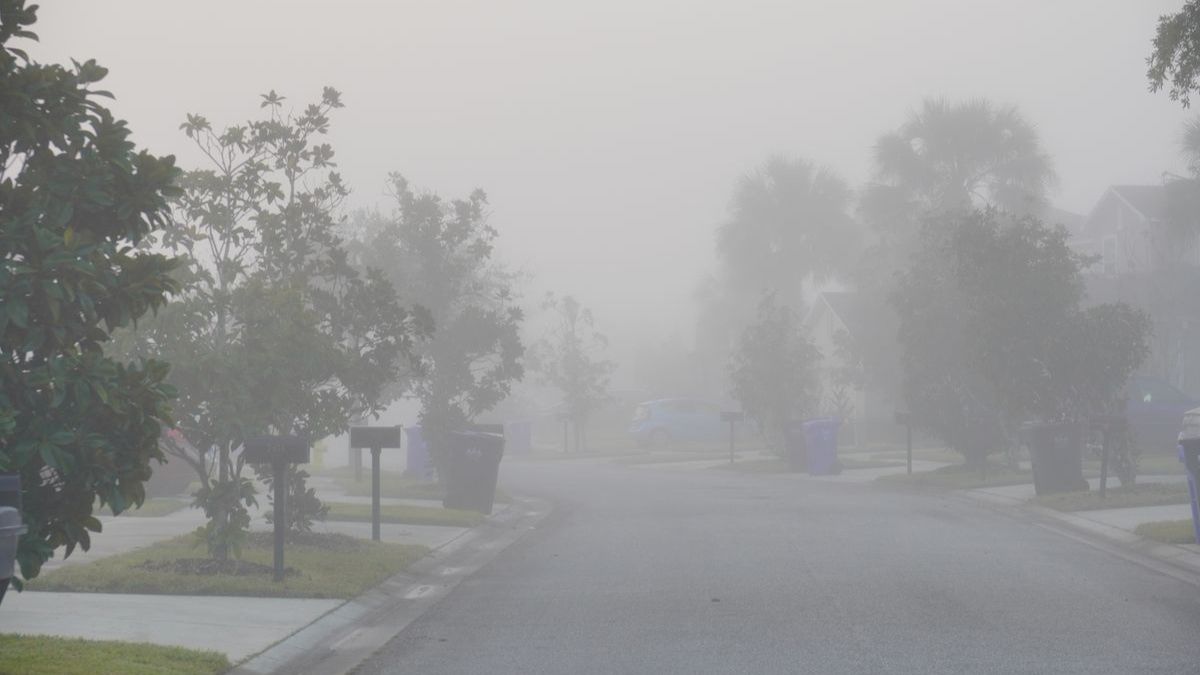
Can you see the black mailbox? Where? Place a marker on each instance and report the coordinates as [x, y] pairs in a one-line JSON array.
[[903, 418], [10, 490], [374, 437], [271, 449], [278, 451], [731, 417]]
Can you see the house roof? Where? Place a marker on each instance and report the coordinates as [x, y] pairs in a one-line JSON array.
[[1148, 200], [1069, 219], [854, 309]]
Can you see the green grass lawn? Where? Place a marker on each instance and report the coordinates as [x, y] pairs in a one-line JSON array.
[[321, 566], [151, 508], [556, 454], [38, 655], [920, 454], [397, 485], [670, 458], [1168, 531], [391, 484], [870, 463], [960, 477], [1146, 494], [780, 465], [405, 514], [1151, 465]]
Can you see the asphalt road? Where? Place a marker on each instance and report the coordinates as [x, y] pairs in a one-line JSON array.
[[650, 571]]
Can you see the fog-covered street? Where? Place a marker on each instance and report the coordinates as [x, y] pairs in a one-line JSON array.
[[643, 570]]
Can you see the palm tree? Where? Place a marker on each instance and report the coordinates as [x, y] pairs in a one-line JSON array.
[[1191, 145], [951, 156], [790, 222]]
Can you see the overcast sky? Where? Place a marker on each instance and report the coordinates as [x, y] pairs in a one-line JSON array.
[[608, 135]]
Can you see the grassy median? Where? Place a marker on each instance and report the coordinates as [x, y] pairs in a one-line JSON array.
[[318, 566], [960, 477], [1168, 531], [404, 514], [393, 484], [40, 655]]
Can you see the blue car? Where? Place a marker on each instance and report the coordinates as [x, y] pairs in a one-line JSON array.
[[659, 424]]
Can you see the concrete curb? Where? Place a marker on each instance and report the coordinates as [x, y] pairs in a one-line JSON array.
[[340, 640], [1180, 562]]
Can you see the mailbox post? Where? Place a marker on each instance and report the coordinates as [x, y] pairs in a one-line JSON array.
[[278, 451], [905, 418], [1107, 426], [733, 418], [375, 438]]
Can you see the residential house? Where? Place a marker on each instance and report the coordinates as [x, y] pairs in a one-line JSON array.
[[1137, 229], [855, 333], [1146, 243]]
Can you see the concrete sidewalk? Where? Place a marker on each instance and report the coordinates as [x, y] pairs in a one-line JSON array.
[[870, 474], [127, 533], [848, 475], [235, 626], [1019, 494], [238, 627]]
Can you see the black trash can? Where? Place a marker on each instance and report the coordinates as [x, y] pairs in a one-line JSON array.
[[795, 446], [1056, 452], [472, 464]]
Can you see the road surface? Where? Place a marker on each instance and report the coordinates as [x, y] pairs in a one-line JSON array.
[[644, 570]]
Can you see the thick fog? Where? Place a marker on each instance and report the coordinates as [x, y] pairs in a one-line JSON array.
[[609, 136], [822, 336]]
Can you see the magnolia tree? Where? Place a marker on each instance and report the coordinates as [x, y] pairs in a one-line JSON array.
[[994, 334], [1175, 60], [773, 370], [76, 199], [567, 358], [277, 332], [438, 255]]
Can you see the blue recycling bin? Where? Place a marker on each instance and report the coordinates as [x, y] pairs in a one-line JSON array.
[[820, 438], [518, 437], [418, 464], [1189, 454]]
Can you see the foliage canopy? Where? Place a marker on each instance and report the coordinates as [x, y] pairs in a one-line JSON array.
[[76, 199]]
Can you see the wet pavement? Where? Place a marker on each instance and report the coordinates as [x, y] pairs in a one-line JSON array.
[[712, 571]]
